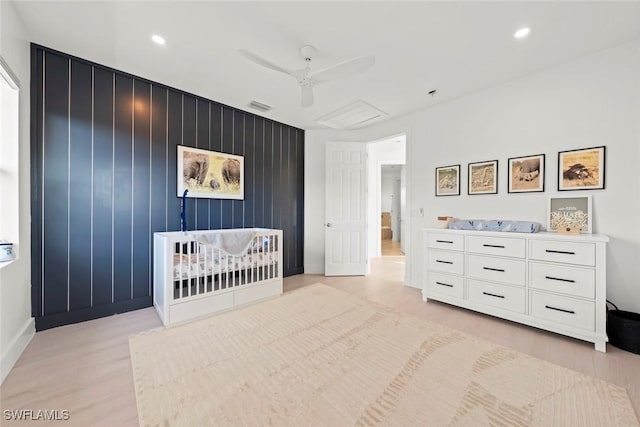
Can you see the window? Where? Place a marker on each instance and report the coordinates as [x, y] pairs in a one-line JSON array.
[[9, 161]]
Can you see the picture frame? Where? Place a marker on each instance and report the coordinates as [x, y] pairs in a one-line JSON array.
[[483, 177], [526, 174], [582, 169], [570, 212], [209, 174], [448, 180]]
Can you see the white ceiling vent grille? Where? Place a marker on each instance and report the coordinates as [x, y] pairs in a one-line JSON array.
[[260, 106], [353, 116]]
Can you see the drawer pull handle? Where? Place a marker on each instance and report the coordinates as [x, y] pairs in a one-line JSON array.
[[560, 309], [494, 269], [493, 295], [559, 252], [444, 241], [444, 262], [444, 284], [494, 246], [559, 279]]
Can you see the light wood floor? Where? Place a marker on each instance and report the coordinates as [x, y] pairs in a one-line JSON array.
[[86, 368], [390, 248]]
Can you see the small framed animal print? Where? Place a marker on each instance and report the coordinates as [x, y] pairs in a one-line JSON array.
[[526, 174], [582, 169], [483, 177], [448, 180]]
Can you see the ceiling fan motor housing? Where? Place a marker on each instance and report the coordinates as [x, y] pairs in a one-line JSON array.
[[308, 52]]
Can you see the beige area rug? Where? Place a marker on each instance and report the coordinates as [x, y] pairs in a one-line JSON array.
[[321, 356]]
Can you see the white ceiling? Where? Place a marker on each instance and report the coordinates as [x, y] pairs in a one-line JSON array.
[[454, 47]]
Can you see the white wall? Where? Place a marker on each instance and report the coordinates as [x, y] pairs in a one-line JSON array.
[[590, 101], [386, 192], [16, 323]]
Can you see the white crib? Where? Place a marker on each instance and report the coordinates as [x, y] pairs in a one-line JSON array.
[[192, 279]]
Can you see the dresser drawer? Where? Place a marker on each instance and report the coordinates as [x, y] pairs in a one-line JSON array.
[[445, 262], [580, 282], [453, 242], [502, 246], [554, 308], [445, 284], [497, 269], [565, 252], [502, 296]]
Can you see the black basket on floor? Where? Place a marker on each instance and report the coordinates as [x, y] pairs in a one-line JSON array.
[[623, 329]]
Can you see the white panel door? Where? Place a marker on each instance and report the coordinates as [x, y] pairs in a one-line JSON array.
[[345, 209], [403, 209]]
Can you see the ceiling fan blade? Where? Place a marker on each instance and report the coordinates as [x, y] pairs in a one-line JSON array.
[[261, 61], [307, 96], [344, 69]]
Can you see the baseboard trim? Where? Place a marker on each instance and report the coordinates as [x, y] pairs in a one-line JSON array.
[[294, 271], [76, 316], [314, 269], [411, 285], [16, 347]]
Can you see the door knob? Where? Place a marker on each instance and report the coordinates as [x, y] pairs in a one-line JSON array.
[[328, 224]]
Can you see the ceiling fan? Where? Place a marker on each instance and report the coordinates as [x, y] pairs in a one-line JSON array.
[[306, 77]]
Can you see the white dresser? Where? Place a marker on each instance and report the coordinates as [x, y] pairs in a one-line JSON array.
[[552, 281]]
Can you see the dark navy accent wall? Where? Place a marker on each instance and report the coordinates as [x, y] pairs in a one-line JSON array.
[[104, 180]]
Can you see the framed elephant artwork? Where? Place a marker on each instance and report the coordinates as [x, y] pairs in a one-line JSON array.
[[526, 174], [209, 174]]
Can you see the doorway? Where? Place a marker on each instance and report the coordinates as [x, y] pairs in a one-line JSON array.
[[387, 201], [353, 211], [391, 210]]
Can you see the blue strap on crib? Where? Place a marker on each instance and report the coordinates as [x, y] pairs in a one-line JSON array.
[[183, 211]]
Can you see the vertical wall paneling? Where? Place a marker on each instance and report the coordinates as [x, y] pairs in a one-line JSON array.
[[290, 206], [215, 144], [249, 170], [141, 215], [227, 147], [202, 141], [299, 198], [158, 149], [103, 156], [103, 124], [258, 172], [123, 188], [277, 175], [80, 177], [189, 140], [268, 175], [37, 139], [238, 148], [174, 135], [55, 169]]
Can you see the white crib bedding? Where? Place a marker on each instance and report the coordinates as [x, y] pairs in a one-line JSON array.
[[215, 262]]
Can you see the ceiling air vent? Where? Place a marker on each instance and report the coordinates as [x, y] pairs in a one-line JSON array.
[[260, 106], [358, 114]]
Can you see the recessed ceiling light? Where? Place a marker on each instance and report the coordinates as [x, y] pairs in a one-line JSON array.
[[158, 39], [522, 33]]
